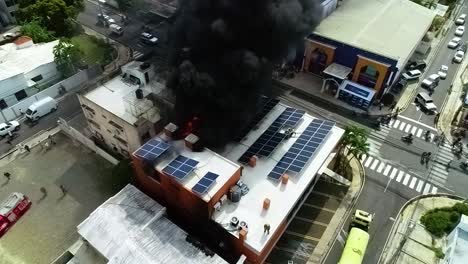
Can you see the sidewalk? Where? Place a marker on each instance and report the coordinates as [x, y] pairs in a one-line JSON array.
[[346, 207], [415, 246]]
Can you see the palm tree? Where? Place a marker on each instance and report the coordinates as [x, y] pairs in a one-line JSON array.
[[353, 144]]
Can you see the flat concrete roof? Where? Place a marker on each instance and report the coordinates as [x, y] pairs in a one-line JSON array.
[[131, 228], [282, 196], [392, 28]]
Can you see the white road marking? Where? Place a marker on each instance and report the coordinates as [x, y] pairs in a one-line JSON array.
[[381, 166], [387, 170], [396, 123], [434, 190], [402, 125], [368, 161], [426, 188], [363, 157], [418, 134], [392, 175], [407, 177], [419, 123], [413, 182], [414, 130], [407, 128], [374, 165], [420, 185], [400, 175]]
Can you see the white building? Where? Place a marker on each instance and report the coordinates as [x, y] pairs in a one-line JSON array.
[[122, 112], [132, 228], [23, 67], [457, 243]]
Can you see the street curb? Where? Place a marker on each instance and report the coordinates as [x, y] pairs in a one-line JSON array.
[[349, 210], [397, 223]]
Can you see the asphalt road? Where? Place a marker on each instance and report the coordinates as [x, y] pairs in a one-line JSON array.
[[444, 57], [133, 27], [69, 106]]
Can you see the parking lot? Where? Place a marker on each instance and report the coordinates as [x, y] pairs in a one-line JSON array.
[[306, 229], [49, 227]]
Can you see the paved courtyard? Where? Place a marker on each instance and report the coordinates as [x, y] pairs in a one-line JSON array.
[[49, 227]]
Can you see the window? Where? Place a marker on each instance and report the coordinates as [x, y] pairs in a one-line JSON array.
[[145, 137], [94, 123], [103, 116], [116, 125], [124, 152], [121, 140], [37, 78], [89, 109], [3, 104], [10, 3], [20, 95]]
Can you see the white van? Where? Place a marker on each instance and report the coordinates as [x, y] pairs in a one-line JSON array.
[[41, 108], [116, 29], [431, 82]]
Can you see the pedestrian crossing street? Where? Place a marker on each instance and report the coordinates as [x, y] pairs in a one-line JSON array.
[[383, 168]]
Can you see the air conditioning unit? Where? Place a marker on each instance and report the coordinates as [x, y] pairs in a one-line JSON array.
[[217, 206], [223, 199]]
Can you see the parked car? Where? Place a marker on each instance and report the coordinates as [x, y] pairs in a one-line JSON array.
[[454, 43], [426, 103], [116, 29], [412, 75], [463, 47], [397, 87], [41, 108], [11, 209], [459, 31], [443, 72], [416, 65], [9, 127], [147, 38], [105, 19], [461, 19], [458, 57], [431, 82]]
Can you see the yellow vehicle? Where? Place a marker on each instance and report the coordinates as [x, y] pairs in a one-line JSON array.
[[358, 238]]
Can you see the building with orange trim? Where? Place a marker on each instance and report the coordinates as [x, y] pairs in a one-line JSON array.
[[240, 198], [373, 39]]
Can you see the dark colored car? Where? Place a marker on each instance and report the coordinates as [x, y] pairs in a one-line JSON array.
[[416, 65], [462, 48]]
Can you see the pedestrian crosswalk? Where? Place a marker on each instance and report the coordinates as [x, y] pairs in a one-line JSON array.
[[137, 54], [400, 175]]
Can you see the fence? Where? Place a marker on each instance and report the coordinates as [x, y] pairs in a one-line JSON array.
[[73, 82], [75, 134]]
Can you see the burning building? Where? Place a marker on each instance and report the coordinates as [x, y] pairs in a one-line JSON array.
[[222, 57]]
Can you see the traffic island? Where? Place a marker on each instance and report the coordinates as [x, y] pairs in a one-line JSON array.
[[346, 207], [409, 240]]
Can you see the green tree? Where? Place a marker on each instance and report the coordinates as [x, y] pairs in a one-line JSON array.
[[67, 56], [55, 15], [353, 144], [36, 31]]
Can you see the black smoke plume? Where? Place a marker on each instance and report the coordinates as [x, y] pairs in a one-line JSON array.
[[223, 52]]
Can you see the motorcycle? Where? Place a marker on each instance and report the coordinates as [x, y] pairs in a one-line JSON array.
[[407, 139]]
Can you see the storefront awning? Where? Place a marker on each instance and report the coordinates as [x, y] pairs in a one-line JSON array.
[[358, 90], [337, 70]]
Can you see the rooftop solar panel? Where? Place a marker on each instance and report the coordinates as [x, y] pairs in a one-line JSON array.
[[205, 183], [152, 149], [180, 167], [273, 136], [266, 104], [303, 149]]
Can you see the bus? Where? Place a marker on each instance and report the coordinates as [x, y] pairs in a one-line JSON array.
[[358, 238]]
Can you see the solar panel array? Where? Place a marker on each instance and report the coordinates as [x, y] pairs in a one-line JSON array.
[[266, 105], [303, 149], [272, 137], [180, 167], [205, 183], [152, 149]]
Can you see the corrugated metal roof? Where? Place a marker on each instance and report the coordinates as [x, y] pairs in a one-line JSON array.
[[131, 228]]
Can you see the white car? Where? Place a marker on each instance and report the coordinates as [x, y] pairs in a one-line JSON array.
[[461, 19], [458, 57], [9, 127], [412, 75], [454, 42], [459, 31], [443, 72]]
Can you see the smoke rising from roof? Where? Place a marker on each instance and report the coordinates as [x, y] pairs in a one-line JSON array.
[[223, 52]]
